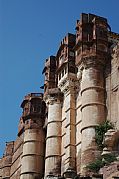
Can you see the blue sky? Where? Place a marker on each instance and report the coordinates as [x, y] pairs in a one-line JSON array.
[[30, 31]]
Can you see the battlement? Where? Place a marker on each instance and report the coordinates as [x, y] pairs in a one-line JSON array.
[[91, 37], [9, 148], [50, 63], [33, 105], [50, 74], [68, 39], [65, 50], [33, 95]]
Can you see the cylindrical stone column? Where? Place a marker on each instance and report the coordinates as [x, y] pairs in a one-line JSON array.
[[93, 109], [53, 139], [32, 163], [70, 126]]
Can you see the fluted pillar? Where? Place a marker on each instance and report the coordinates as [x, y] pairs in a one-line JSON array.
[[53, 138], [70, 147], [93, 109], [69, 87]]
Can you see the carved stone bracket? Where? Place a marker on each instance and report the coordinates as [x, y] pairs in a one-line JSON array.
[[94, 62], [54, 96], [69, 84]]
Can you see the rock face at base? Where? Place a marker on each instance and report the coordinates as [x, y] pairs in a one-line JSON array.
[[72, 129]]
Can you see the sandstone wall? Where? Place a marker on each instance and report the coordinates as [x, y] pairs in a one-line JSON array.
[[112, 88], [6, 161], [16, 158]]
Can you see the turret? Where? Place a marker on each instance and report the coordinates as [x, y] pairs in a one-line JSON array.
[[91, 37], [34, 136], [53, 99], [67, 83], [65, 58], [91, 56], [50, 74]]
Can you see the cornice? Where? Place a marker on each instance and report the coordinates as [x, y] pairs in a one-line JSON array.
[[54, 95], [69, 84]]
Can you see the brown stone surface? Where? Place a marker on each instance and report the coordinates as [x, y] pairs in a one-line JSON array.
[[56, 131], [110, 171]]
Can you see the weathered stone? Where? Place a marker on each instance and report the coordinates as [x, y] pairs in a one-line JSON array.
[[56, 132]]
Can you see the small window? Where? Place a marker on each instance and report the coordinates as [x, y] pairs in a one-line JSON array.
[[61, 59], [35, 108], [59, 76], [65, 70], [71, 69], [46, 76], [27, 122], [71, 53], [62, 73]]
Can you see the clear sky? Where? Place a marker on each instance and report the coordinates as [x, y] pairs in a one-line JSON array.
[[30, 31]]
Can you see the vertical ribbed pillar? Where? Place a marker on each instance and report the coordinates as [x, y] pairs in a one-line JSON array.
[[78, 132], [93, 109], [69, 86], [33, 151], [53, 139], [70, 147]]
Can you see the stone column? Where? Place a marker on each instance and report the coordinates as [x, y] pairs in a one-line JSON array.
[[32, 163], [78, 123], [53, 138], [70, 147], [93, 108], [69, 88]]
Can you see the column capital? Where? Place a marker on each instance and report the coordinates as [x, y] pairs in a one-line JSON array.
[[93, 62], [69, 84], [54, 96]]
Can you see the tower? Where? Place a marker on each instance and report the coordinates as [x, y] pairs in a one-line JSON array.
[[32, 163], [53, 99], [53, 137], [67, 80], [91, 56], [59, 131], [50, 74]]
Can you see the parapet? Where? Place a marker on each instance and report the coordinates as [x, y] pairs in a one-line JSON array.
[[91, 37], [50, 74], [33, 106], [6, 161], [65, 53], [9, 148]]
